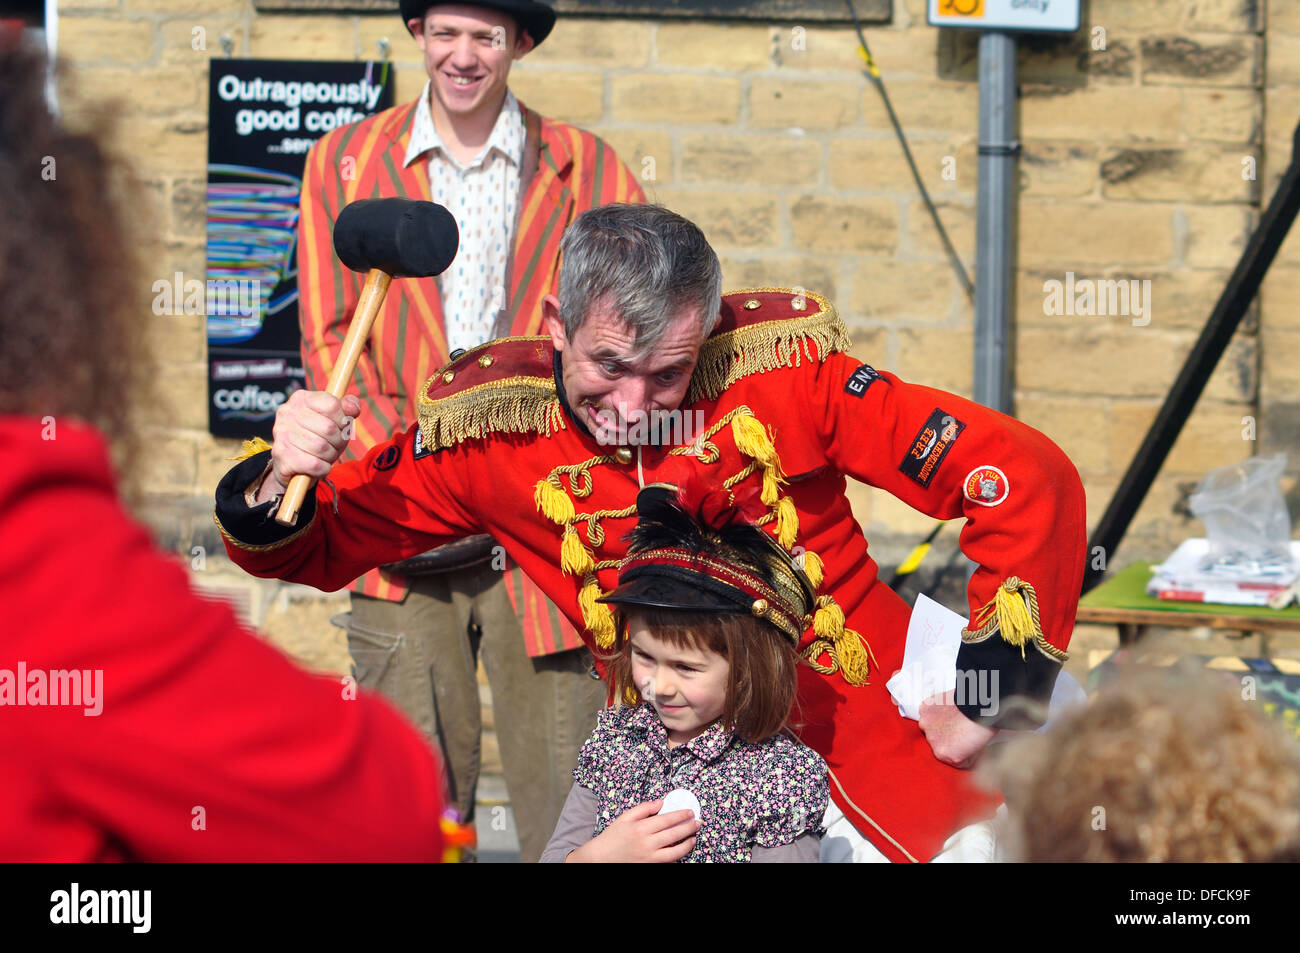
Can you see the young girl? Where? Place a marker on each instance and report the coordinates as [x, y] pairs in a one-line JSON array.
[[695, 766]]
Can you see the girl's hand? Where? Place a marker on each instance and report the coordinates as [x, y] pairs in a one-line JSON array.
[[639, 835]]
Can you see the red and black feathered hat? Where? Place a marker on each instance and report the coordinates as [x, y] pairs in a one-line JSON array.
[[698, 549]]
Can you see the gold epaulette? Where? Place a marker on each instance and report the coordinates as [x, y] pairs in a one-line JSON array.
[[508, 385], [503, 386], [761, 330]]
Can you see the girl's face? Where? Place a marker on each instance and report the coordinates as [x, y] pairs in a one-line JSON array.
[[686, 686]]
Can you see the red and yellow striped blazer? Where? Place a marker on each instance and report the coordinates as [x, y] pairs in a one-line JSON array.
[[576, 171]]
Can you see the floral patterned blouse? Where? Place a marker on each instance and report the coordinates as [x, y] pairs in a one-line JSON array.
[[751, 795]]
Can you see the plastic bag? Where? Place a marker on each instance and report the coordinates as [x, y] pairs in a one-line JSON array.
[[1246, 518]]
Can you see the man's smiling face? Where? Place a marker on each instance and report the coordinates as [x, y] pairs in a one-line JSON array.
[[467, 53], [606, 386]]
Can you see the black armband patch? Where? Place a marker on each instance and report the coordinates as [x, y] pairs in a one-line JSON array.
[[420, 450], [930, 445], [861, 379]]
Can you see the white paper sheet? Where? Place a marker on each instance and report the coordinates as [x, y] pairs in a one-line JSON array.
[[930, 666], [929, 658]]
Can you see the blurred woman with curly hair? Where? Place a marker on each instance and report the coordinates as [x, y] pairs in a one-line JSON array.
[[1157, 768], [137, 720]]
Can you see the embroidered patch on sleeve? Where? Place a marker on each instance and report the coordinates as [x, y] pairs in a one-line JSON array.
[[930, 445], [861, 379], [987, 486], [388, 457]]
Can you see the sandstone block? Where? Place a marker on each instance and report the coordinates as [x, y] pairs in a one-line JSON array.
[[839, 226], [731, 47], [729, 219], [803, 104], [759, 161], [671, 99], [571, 96]]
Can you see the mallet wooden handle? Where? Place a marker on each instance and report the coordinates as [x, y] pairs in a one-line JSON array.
[[368, 307]]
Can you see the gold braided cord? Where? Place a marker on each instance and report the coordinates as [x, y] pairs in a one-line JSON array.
[[992, 623], [814, 649], [261, 547], [510, 405], [702, 446], [706, 450], [731, 481], [595, 532], [582, 470], [758, 348]]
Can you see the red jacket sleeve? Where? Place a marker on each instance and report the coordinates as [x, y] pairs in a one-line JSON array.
[[1020, 496], [395, 502]]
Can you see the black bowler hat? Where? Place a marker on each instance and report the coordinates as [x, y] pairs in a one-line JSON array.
[[536, 19], [697, 549]]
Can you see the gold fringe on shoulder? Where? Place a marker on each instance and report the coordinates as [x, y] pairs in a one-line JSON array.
[[765, 346], [510, 405]]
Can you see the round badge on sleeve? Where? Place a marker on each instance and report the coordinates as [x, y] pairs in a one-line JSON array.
[[388, 458], [987, 486]]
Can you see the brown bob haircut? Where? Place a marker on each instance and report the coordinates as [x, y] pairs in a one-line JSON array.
[[761, 679]]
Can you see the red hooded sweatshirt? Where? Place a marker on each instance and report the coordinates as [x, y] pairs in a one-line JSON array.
[[139, 721]]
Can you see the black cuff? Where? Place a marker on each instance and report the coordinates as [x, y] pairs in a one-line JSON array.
[[998, 689], [255, 527]]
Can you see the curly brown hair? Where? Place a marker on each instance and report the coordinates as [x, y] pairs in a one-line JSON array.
[[1159, 767], [68, 270]]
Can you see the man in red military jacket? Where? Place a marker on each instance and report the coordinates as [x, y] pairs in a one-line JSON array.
[[514, 439]]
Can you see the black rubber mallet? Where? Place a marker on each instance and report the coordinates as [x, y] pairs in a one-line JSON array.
[[386, 239]]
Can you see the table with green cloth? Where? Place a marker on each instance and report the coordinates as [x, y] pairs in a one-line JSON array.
[[1122, 601]]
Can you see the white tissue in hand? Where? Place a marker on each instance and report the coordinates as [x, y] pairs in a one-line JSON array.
[[680, 800]]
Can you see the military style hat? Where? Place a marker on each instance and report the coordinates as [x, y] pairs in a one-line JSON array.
[[697, 548]]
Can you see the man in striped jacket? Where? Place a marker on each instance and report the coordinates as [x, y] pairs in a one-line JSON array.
[[514, 180]]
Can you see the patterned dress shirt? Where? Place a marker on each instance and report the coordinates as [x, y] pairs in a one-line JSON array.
[[484, 198]]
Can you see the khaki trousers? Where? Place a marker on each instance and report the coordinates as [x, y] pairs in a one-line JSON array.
[[422, 653]]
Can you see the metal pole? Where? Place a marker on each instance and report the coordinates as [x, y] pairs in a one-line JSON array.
[[995, 220]]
